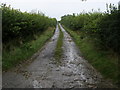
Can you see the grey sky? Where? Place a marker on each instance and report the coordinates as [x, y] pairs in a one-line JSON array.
[[58, 8]]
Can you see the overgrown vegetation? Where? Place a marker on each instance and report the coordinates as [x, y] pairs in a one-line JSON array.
[[23, 34], [104, 28], [26, 50], [104, 61], [22, 26], [58, 49], [98, 37]]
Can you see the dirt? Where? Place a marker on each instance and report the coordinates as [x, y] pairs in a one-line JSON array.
[[73, 72]]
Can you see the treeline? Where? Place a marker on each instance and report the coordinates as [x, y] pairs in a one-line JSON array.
[[21, 27], [103, 28]]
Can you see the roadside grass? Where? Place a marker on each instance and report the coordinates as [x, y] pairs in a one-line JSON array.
[[58, 49], [105, 62], [25, 51]]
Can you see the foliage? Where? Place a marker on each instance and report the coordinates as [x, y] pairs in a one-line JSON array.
[[23, 26], [104, 28], [109, 31]]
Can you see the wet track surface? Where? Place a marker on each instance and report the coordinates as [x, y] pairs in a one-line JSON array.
[[73, 72]]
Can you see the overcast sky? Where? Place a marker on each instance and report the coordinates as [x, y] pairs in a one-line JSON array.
[[58, 8]]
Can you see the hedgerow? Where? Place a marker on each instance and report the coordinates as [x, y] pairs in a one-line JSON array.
[[104, 28], [20, 27]]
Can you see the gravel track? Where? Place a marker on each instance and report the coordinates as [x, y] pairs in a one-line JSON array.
[[73, 72]]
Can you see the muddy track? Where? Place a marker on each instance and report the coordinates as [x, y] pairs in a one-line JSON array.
[[73, 72]]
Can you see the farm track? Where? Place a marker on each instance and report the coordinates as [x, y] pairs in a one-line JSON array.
[[73, 72]]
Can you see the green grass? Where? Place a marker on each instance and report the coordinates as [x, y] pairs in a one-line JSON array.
[[58, 49], [13, 58], [105, 62]]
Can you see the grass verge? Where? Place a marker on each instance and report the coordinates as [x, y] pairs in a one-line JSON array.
[[104, 61], [13, 58], [58, 49]]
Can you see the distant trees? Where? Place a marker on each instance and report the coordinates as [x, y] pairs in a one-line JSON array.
[[102, 27]]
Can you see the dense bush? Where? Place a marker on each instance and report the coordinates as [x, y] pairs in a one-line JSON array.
[[109, 31], [22, 26], [102, 27]]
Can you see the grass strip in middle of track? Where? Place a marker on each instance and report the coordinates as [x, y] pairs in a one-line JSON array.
[[58, 49]]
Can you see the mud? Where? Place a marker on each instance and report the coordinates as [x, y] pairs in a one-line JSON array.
[[73, 72]]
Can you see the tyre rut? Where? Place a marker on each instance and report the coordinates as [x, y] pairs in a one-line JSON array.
[[74, 72]]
